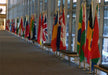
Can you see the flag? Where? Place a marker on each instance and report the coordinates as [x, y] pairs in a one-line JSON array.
[[95, 54], [89, 37], [53, 23], [34, 31], [31, 27], [83, 37], [7, 25], [21, 28], [13, 26], [79, 32], [63, 33], [17, 26], [44, 29], [27, 30], [59, 31], [39, 36], [54, 34]]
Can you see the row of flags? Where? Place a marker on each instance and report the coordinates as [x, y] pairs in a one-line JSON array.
[[87, 43], [58, 41], [23, 28]]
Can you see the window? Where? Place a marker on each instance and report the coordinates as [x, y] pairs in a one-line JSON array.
[[105, 37], [106, 0], [3, 9], [74, 1], [3, 1]]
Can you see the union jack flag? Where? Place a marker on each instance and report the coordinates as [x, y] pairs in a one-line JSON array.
[[45, 30]]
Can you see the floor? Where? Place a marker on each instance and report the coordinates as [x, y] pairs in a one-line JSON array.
[[17, 57]]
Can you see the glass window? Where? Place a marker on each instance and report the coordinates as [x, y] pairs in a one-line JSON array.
[[105, 37], [105, 21], [106, 0], [59, 1], [3, 9], [45, 5], [68, 4], [3, 1], [74, 1]]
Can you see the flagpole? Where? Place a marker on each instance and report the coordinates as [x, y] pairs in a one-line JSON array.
[[84, 65], [79, 63], [90, 67]]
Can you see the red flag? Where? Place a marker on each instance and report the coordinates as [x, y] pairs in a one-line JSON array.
[[7, 25], [89, 37], [63, 34], [39, 30], [95, 54]]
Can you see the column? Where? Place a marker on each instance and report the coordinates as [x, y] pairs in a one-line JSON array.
[[49, 20], [101, 25], [70, 25], [77, 21]]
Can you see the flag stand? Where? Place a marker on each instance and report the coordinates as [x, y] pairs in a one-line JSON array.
[[79, 63], [84, 65], [90, 68]]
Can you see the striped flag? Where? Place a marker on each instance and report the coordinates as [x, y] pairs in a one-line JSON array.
[[89, 36], [83, 37], [81, 32], [54, 34], [31, 27]]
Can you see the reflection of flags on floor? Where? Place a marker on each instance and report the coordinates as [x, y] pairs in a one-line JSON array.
[[95, 54], [63, 33], [89, 36], [54, 34], [44, 29]]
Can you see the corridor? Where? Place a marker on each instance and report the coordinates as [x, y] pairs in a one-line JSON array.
[[17, 57]]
